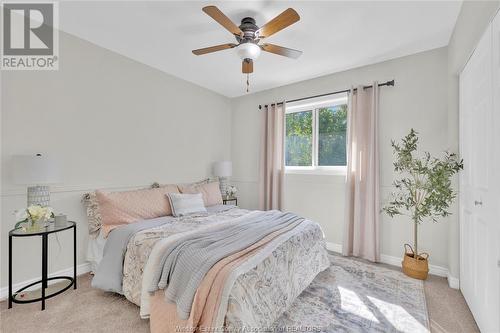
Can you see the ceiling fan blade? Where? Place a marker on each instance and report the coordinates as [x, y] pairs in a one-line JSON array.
[[280, 22], [247, 66], [280, 50], [222, 19], [214, 48]]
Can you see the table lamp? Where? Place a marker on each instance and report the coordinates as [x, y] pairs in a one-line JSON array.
[[223, 170], [37, 172]]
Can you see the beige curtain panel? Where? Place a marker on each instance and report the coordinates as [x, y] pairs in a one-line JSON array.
[[272, 166], [362, 225]]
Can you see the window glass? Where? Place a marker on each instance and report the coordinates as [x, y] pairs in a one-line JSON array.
[[332, 125], [298, 141]]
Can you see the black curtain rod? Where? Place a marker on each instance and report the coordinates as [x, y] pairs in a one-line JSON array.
[[388, 83]]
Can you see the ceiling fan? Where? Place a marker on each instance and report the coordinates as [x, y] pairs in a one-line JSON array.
[[248, 35]]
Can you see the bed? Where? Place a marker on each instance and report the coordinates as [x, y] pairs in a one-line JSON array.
[[247, 289]]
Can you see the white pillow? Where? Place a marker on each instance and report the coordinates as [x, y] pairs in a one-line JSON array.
[[184, 204]]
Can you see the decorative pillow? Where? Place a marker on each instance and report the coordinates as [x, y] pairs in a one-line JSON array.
[[186, 204], [93, 215], [211, 192], [118, 208]]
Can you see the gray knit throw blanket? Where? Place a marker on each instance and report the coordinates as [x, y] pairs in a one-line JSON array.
[[186, 261]]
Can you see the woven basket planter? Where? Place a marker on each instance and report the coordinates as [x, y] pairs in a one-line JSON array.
[[415, 266]]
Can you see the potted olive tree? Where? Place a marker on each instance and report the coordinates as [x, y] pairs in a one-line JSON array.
[[423, 191]]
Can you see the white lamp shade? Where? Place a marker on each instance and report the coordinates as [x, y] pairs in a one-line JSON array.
[[248, 51], [34, 170], [223, 169]]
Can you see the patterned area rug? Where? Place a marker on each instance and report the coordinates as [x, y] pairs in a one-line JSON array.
[[353, 296]]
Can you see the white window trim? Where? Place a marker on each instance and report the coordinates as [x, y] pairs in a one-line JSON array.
[[340, 170], [319, 103], [313, 107]]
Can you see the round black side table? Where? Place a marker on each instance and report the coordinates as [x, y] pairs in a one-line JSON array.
[[44, 233]]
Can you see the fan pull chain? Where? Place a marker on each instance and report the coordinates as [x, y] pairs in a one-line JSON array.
[[248, 83]]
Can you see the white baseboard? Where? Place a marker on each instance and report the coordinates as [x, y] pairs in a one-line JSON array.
[[334, 247], [453, 282], [396, 261], [80, 269]]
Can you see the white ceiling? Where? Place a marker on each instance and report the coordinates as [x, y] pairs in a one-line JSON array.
[[333, 36]]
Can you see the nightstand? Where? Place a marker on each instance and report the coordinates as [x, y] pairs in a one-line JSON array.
[[43, 232], [225, 200]]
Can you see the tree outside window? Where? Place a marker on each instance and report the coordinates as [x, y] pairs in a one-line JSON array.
[[332, 139], [298, 142]]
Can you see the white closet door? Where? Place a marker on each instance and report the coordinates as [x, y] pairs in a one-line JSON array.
[[496, 153], [479, 218]]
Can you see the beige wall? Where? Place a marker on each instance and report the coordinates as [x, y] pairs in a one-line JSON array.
[[472, 21], [112, 123], [418, 100]]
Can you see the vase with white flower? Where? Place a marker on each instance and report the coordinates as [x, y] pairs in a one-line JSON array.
[[231, 191], [35, 216]]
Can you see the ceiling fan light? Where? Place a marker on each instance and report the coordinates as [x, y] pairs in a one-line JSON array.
[[248, 51]]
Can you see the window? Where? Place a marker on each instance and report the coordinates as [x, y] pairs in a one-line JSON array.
[[332, 140], [299, 135], [315, 135]]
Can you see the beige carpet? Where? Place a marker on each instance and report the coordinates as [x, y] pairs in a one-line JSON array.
[[448, 311], [91, 310]]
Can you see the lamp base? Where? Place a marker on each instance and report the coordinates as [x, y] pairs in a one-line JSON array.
[[223, 186], [38, 195]]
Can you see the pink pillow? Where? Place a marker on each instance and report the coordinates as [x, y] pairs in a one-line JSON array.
[[211, 192], [118, 208]]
